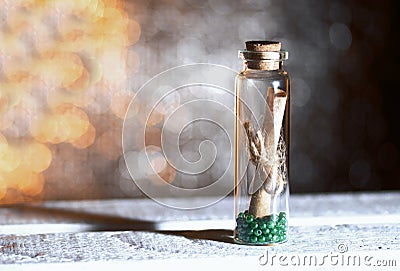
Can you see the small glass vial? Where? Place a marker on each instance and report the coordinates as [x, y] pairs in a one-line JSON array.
[[262, 145]]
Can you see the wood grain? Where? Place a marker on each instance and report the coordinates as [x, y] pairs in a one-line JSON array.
[[140, 231]]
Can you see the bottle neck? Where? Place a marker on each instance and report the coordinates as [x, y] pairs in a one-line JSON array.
[[263, 65]]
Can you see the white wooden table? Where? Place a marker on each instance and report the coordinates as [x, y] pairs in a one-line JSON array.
[[128, 234]]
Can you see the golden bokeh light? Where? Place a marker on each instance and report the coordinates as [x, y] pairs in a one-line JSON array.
[[152, 136], [64, 67], [3, 104], [120, 102], [10, 159], [59, 69], [109, 144], [35, 156], [24, 180], [86, 139], [3, 145], [160, 171], [133, 32]]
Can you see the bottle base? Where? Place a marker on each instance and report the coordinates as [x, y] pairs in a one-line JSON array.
[[267, 230], [242, 242]]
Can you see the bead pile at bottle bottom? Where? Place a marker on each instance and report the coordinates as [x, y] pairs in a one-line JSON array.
[[265, 230]]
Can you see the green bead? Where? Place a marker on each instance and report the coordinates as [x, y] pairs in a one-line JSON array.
[[274, 231], [241, 215], [266, 231], [273, 218], [261, 239], [250, 231], [245, 225], [253, 239], [281, 225], [282, 215], [257, 232], [282, 220], [281, 232], [242, 231], [239, 220], [249, 218], [253, 225], [275, 238], [263, 226], [268, 237], [271, 224]]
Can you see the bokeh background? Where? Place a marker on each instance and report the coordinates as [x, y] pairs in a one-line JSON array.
[[68, 70]]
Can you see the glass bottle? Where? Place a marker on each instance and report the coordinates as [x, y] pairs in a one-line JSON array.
[[262, 145]]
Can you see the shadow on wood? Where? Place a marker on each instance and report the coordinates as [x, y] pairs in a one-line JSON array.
[[105, 222], [225, 236], [97, 222]]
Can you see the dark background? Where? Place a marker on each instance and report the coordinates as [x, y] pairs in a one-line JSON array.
[[343, 60]]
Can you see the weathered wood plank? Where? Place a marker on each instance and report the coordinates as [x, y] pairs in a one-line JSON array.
[[110, 241], [144, 245]]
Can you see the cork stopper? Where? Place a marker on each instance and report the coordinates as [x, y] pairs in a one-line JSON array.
[[263, 46], [262, 55]]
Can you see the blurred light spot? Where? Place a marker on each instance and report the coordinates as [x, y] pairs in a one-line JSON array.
[[128, 187], [158, 164], [359, 173], [10, 159], [109, 145], [133, 32], [154, 118], [100, 100], [115, 59], [153, 136], [73, 120], [3, 105], [44, 129], [23, 179], [168, 174], [340, 36], [301, 92], [36, 157], [155, 167], [3, 145], [33, 185], [60, 68], [120, 102], [86, 139]]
